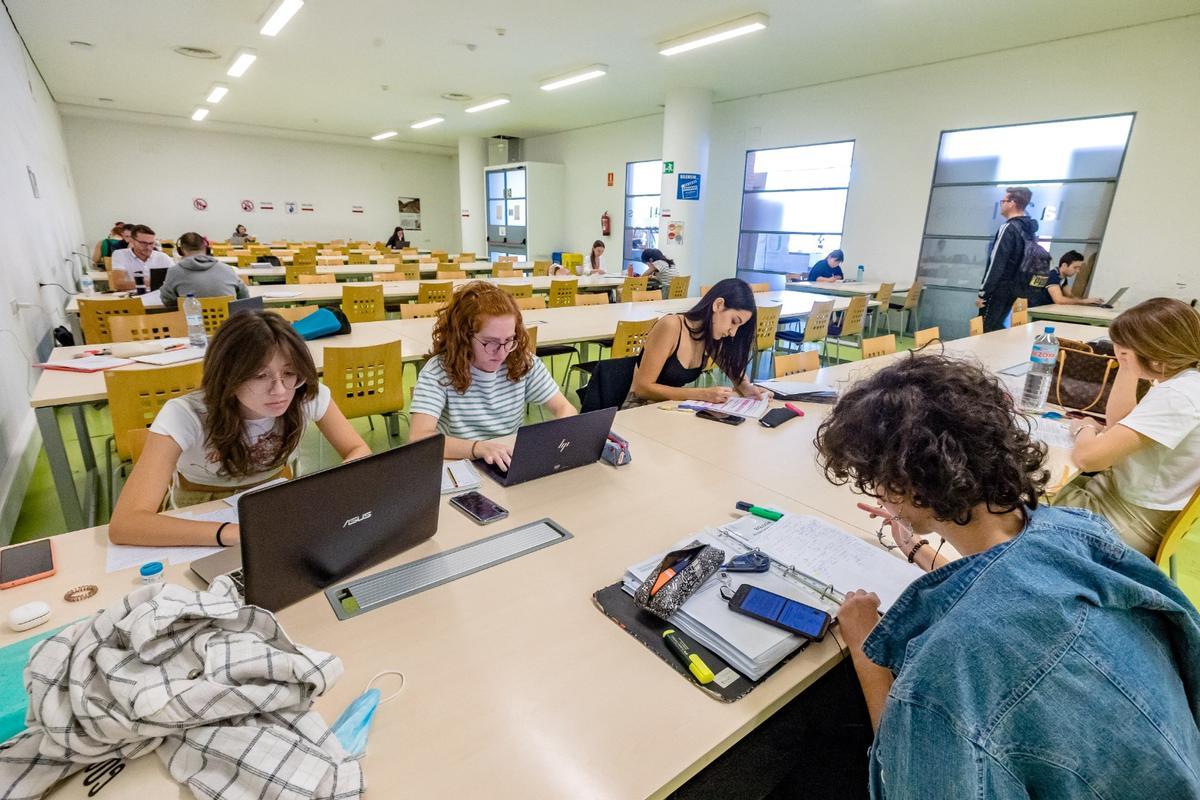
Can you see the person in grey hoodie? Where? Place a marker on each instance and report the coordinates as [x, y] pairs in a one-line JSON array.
[[199, 274]]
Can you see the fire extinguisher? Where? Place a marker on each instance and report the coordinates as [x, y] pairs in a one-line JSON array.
[[605, 224]]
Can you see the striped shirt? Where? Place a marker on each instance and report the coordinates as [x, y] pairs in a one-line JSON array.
[[492, 406]]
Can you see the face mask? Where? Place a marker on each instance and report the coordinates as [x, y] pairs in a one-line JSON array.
[[354, 724]]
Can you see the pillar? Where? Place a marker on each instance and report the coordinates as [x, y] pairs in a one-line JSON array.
[[472, 158], [686, 120]]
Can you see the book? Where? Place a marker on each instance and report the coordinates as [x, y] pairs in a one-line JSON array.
[[800, 390], [168, 357]]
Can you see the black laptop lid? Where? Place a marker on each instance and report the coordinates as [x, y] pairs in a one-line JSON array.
[[157, 276], [558, 445], [245, 304], [300, 536]]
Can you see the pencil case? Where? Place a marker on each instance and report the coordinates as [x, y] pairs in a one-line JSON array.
[[677, 578], [616, 451]]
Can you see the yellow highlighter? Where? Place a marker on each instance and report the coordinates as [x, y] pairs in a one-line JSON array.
[[693, 662]]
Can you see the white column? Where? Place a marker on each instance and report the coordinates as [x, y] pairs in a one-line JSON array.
[[685, 143], [472, 158]]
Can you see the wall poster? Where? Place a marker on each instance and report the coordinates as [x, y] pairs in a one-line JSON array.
[[410, 213]]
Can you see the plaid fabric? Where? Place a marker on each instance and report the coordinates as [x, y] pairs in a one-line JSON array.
[[215, 687]]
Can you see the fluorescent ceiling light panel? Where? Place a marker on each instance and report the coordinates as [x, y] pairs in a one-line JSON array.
[[278, 15], [379, 137], [425, 123], [217, 93], [498, 100], [570, 79], [241, 63], [717, 33], [199, 114]]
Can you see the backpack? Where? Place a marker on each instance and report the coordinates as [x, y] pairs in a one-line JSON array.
[[1034, 269]]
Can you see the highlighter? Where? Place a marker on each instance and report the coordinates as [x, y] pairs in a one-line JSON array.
[[759, 511], [693, 662]]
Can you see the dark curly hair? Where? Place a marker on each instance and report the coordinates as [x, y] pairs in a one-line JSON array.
[[942, 433]]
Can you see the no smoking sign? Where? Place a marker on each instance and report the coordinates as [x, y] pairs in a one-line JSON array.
[[247, 205], [200, 204]]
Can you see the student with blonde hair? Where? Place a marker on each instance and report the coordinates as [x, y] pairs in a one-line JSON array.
[[1148, 452]]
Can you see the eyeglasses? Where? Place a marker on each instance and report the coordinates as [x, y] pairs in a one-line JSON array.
[[265, 382], [143, 242], [493, 347]]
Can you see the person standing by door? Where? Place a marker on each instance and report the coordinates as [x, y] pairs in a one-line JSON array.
[[1002, 283]]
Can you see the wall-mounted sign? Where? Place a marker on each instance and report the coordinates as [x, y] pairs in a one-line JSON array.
[[610, 179], [668, 168], [689, 186], [289, 208], [199, 204], [306, 206], [356, 209], [675, 232], [266, 206], [466, 213], [410, 213], [247, 205]]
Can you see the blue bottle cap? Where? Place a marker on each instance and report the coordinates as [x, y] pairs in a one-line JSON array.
[[151, 568], [1048, 329]]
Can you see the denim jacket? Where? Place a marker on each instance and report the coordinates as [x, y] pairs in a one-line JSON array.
[[1060, 664]]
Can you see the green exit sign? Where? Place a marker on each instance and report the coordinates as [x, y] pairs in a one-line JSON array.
[[668, 167]]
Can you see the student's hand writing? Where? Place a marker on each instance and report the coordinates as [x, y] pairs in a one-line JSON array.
[[716, 394], [495, 453], [857, 616], [1078, 425]]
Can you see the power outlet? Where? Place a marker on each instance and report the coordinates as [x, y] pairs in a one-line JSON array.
[[14, 306]]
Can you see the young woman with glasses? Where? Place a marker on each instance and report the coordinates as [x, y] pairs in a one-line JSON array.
[[480, 375], [258, 393]]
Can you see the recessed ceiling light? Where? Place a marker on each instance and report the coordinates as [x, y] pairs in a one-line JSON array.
[[216, 93], [278, 15], [717, 33], [379, 137], [241, 63], [199, 114], [457, 97], [498, 100], [425, 123], [81, 44], [572, 78]]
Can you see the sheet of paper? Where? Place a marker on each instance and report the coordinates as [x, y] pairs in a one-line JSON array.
[[1016, 370], [152, 298], [1051, 432], [233, 498], [172, 356], [747, 407], [87, 364], [789, 388], [282, 294], [122, 556]]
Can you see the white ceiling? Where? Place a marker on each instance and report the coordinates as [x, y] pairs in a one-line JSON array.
[[325, 72]]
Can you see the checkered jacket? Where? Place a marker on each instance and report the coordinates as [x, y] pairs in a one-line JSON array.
[[214, 686]]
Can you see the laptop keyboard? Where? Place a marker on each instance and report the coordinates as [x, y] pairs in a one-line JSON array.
[[238, 576]]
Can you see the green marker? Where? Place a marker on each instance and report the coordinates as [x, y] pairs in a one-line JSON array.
[[759, 511]]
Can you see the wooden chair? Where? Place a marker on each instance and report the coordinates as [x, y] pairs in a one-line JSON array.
[[591, 299], [678, 287], [1019, 318], [246, 260], [94, 314], [879, 346], [108, 263], [794, 363], [451, 275], [758, 288], [976, 326], [420, 310], [434, 292], [330, 261], [214, 311], [648, 296], [704, 290], [507, 259], [147, 327], [767, 322], [368, 380], [1020, 304], [293, 313], [507, 273], [363, 303], [816, 328], [501, 269], [541, 268], [518, 289], [852, 324], [631, 285], [1186, 521], [910, 305], [922, 338], [531, 303], [884, 300], [466, 258], [562, 292], [292, 273], [322, 278]]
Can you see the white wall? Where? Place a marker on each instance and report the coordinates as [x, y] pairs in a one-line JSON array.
[[40, 235], [896, 118], [150, 174]]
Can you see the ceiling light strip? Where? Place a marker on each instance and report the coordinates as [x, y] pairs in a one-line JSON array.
[[717, 33], [278, 15], [217, 93], [379, 137], [572, 78], [425, 123], [494, 102], [241, 63], [199, 114]]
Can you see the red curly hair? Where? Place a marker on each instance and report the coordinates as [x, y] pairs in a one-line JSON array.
[[461, 319]]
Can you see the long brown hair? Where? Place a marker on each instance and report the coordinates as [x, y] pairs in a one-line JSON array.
[[461, 319], [1161, 331], [593, 259], [243, 344]]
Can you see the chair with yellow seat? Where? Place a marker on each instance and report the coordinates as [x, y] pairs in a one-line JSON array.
[[573, 262], [678, 287], [561, 295], [924, 337], [883, 300], [365, 381], [94, 314], [1186, 522], [518, 289], [420, 310], [507, 259], [879, 346], [500, 268], [410, 270], [435, 291], [322, 278], [631, 285], [766, 326], [851, 325], [393, 260], [330, 261], [532, 303], [787, 364], [293, 313], [627, 340], [591, 299], [704, 290], [246, 260], [541, 268], [562, 292], [976, 326], [451, 275], [1019, 318], [292, 272], [466, 258], [359, 258], [911, 304], [363, 303], [388, 277], [508, 273], [648, 296], [147, 327], [213, 311], [1020, 304], [134, 399]]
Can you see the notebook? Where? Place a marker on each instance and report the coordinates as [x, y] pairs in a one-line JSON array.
[[87, 364], [459, 476], [747, 407], [800, 390], [169, 357]]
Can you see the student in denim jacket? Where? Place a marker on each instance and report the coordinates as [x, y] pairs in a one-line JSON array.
[[1050, 660]]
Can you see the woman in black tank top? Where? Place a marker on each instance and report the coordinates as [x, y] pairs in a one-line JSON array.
[[720, 327]]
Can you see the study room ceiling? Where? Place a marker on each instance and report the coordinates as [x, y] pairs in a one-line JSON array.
[[359, 67]]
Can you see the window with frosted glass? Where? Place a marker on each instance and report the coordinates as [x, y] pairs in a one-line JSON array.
[[793, 206], [643, 184]]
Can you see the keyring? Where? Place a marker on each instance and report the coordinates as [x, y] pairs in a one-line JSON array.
[[727, 590]]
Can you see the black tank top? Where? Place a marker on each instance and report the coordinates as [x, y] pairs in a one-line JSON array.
[[674, 373]]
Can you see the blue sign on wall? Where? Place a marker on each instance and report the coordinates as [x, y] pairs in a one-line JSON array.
[[688, 187]]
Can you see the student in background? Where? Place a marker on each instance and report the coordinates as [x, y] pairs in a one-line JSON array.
[[1002, 283], [105, 247], [131, 266], [258, 394], [1054, 292], [659, 266], [200, 274], [990, 676], [1148, 454], [240, 237], [480, 375], [592, 263], [396, 240], [720, 327], [828, 269]]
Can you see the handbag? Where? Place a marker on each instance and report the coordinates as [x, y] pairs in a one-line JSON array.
[[1085, 375]]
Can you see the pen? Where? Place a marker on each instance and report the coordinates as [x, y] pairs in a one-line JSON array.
[[168, 348], [453, 480], [758, 511], [693, 662], [668, 573], [794, 409]]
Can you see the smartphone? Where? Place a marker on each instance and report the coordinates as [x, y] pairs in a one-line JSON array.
[[717, 416], [782, 612], [478, 507], [26, 562], [776, 417]]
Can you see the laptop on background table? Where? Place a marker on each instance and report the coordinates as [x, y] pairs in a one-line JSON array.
[[1112, 301], [552, 446]]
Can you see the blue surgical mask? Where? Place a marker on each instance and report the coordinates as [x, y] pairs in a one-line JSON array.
[[354, 724]]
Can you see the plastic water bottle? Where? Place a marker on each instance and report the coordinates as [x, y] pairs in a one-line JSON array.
[[1041, 371], [861, 272], [87, 286], [195, 322]]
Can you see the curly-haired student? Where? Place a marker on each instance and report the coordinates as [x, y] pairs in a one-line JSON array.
[[1050, 660], [480, 375]]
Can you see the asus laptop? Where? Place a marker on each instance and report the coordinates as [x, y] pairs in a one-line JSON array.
[[303, 535], [554, 446]]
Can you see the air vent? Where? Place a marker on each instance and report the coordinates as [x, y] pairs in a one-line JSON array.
[[197, 52], [457, 97]]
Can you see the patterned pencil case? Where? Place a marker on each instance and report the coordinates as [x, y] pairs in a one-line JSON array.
[[678, 576], [616, 451]]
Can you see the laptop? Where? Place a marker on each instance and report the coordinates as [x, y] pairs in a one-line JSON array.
[[245, 304], [554, 446], [1112, 301], [303, 535], [157, 276]]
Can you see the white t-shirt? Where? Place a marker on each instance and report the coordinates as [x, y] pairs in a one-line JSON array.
[[183, 420], [1164, 475], [492, 406], [126, 261]]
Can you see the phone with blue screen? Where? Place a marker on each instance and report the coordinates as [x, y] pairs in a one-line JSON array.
[[780, 611]]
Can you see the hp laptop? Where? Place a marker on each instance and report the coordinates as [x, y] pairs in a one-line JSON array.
[[245, 304], [302, 535], [554, 446], [1112, 301]]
